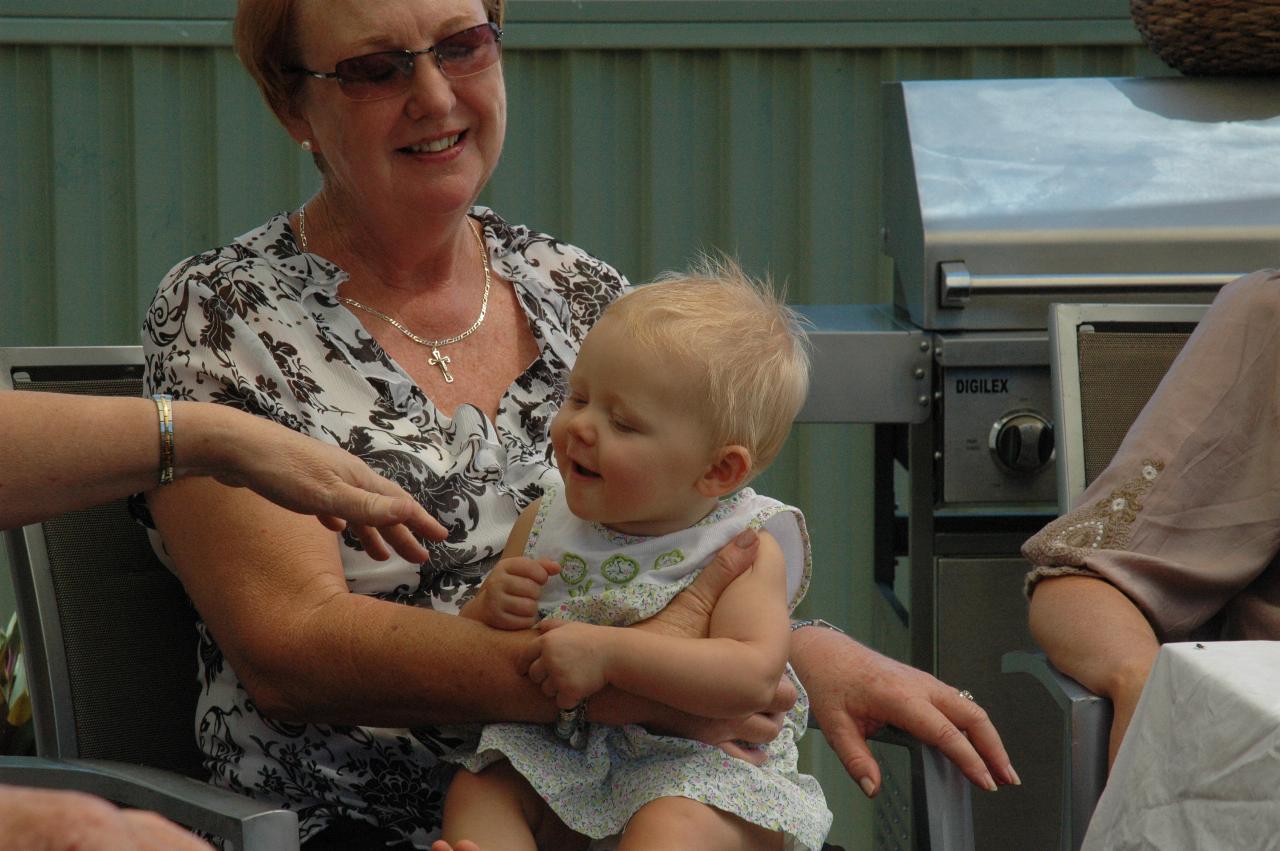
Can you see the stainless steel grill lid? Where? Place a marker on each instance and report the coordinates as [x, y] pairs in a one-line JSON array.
[[1002, 196]]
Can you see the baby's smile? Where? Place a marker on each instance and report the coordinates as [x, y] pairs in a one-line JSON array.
[[583, 471]]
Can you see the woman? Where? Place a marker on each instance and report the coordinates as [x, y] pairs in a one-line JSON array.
[[1174, 540], [432, 339]]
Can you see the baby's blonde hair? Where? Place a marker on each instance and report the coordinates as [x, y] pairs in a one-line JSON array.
[[747, 351]]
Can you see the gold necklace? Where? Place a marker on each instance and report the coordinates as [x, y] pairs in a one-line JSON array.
[[436, 359]]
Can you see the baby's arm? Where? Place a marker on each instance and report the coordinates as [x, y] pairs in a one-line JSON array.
[[733, 672], [508, 599]]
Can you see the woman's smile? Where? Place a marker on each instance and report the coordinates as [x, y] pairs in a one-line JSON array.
[[435, 146]]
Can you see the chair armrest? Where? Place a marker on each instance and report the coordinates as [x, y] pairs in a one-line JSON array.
[[1089, 713], [1065, 691], [947, 799], [1085, 739], [943, 802], [249, 824]]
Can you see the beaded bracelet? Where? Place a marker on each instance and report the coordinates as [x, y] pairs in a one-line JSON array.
[[571, 726], [164, 410], [801, 624]]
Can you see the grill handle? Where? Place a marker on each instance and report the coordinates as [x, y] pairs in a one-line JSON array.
[[957, 286]]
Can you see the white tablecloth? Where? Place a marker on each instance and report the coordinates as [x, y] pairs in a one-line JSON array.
[[1200, 765]]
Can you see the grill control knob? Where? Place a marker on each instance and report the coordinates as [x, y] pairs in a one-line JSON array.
[[1022, 442]]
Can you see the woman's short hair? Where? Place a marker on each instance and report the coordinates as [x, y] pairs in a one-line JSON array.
[[266, 43], [747, 351]]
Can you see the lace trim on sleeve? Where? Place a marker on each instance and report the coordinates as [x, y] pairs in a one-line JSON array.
[[1029, 581], [1104, 525]]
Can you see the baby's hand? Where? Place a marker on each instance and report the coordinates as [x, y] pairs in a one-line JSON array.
[[745, 751], [569, 660], [508, 599]]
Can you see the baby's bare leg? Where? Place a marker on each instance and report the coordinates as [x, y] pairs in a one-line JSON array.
[[492, 809], [667, 823], [498, 810]]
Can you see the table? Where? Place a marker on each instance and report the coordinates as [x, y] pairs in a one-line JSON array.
[[1200, 765]]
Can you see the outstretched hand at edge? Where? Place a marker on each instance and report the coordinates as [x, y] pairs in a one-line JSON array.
[[854, 691], [56, 820], [310, 477]]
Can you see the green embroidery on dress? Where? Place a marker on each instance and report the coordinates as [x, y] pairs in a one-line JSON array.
[[582, 590], [573, 568], [668, 559], [620, 569]]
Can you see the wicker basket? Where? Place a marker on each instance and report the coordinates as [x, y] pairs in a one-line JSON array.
[[1212, 36]]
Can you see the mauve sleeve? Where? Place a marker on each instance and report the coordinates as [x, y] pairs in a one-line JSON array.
[[1187, 515]]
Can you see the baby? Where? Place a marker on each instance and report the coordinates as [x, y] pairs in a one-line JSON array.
[[682, 392]]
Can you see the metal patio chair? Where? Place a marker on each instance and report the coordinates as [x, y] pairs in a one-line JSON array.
[[1106, 361]]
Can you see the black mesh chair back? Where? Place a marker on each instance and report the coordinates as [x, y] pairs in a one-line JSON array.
[[1106, 362], [109, 632], [1119, 370]]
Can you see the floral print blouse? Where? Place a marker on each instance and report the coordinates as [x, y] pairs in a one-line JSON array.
[[257, 325]]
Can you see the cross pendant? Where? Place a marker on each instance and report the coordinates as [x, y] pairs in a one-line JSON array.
[[441, 361]]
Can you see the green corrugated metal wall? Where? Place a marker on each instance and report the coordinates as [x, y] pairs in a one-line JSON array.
[[642, 130], [639, 130]]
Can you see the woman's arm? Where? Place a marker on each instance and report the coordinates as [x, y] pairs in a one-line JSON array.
[[1095, 634], [732, 672], [269, 586], [62, 452]]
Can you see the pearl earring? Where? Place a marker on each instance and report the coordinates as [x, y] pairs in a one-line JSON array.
[[306, 145]]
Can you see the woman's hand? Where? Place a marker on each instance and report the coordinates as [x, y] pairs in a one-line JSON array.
[[743, 738], [303, 475], [854, 691], [508, 599], [63, 821], [688, 615]]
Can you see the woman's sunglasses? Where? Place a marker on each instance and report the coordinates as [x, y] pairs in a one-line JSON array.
[[381, 75]]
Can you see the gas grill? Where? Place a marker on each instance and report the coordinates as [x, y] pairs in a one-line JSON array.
[[1002, 197]]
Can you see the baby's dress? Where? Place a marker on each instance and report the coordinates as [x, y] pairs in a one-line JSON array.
[[613, 579]]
